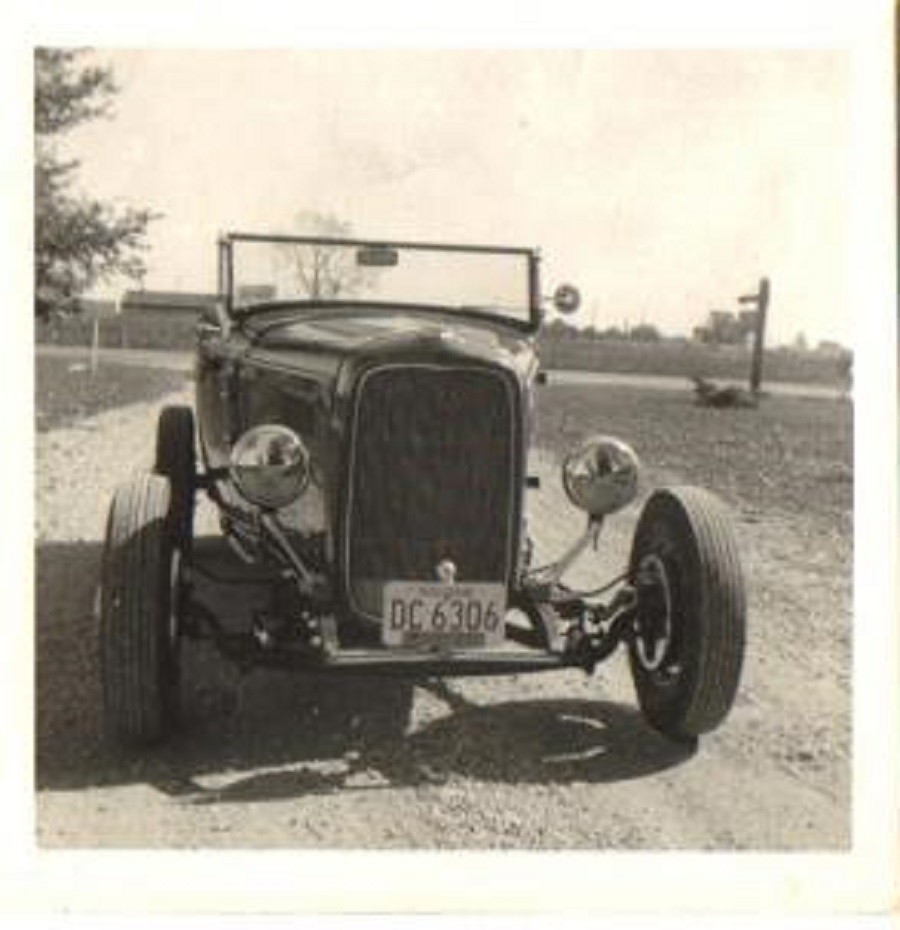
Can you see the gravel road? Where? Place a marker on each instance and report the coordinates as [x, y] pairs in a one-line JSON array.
[[551, 761]]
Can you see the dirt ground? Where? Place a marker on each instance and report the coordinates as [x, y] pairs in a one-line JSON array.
[[550, 761]]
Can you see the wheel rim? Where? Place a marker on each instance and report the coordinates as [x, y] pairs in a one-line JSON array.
[[653, 634]]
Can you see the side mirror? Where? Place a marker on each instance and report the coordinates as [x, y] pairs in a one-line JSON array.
[[566, 299], [209, 314], [213, 318]]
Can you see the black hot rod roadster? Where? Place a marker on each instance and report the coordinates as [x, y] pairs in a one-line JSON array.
[[363, 411]]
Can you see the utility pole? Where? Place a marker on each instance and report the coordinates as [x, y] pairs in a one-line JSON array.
[[760, 303]]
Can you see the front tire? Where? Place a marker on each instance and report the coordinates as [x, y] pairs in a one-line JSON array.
[[139, 614], [687, 652]]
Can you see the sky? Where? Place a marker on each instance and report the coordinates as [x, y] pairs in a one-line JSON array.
[[662, 183]]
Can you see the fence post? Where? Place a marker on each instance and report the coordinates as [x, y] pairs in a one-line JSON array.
[[95, 345], [760, 301]]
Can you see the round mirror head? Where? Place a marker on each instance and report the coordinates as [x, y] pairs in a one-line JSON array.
[[566, 299]]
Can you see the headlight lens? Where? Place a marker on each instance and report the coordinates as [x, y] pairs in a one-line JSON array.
[[270, 466], [601, 475]]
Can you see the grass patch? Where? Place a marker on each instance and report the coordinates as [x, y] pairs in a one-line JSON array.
[[684, 359], [792, 454], [66, 391]]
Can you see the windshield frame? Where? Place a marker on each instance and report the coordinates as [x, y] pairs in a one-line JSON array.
[[227, 293]]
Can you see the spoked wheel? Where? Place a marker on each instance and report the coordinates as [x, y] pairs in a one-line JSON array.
[[141, 603], [688, 647], [176, 459]]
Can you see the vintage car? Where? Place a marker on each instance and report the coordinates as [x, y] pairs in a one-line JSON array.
[[363, 416]]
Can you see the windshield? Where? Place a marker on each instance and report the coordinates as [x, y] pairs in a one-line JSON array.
[[464, 278]]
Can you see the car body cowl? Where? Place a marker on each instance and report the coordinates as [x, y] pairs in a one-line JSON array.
[[359, 329]]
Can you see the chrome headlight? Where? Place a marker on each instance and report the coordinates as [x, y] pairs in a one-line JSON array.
[[270, 466], [601, 475]]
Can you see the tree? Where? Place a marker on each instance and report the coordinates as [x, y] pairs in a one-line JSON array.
[[322, 271], [644, 332], [723, 327], [78, 241]]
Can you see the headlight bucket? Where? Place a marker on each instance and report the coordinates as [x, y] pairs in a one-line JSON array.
[[270, 465], [601, 475]]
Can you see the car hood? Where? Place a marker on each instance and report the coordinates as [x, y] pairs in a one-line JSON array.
[[363, 333]]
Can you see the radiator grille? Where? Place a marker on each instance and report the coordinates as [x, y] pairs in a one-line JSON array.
[[432, 478]]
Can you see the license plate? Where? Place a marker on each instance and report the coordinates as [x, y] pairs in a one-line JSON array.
[[420, 613]]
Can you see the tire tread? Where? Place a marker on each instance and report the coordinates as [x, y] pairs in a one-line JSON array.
[[721, 624], [134, 604]]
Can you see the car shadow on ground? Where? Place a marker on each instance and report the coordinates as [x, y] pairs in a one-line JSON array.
[[275, 735], [522, 742]]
